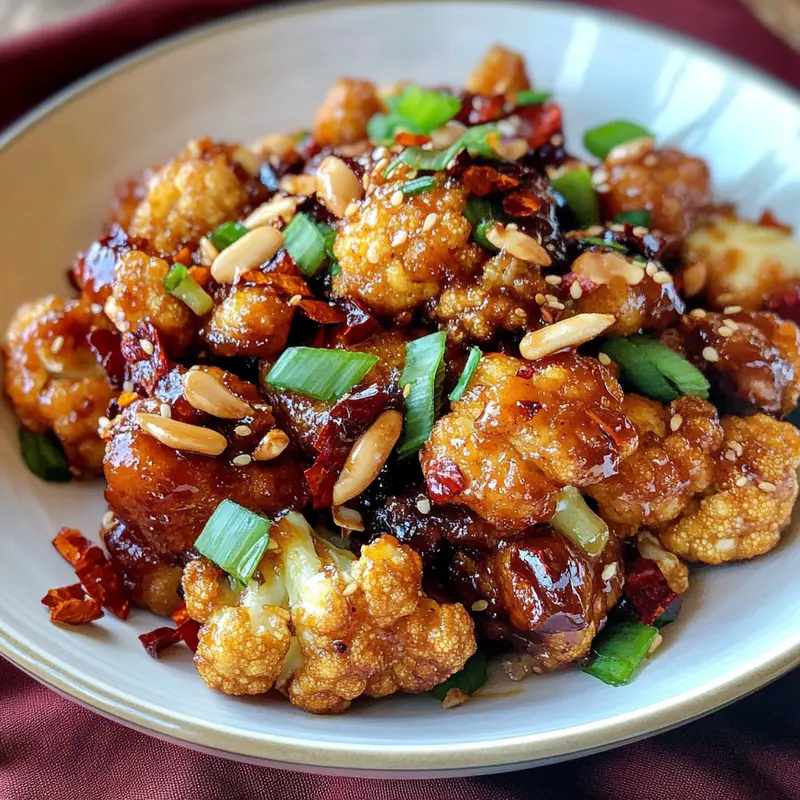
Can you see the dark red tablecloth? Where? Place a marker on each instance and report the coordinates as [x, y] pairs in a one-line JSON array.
[[51, 749]]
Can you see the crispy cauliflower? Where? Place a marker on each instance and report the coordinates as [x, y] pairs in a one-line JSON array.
[[750, 501], [342, 118], [324, 626], [500, 71]]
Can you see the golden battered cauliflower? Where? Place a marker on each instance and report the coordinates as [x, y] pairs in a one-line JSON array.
[[54, 380], [751, 499], [324, 625], [500, 71], [342, 118]]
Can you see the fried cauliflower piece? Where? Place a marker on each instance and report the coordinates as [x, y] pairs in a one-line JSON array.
[[500, 71], [192, 194], [343, 116], [668, 468], [751, 499], [741, 262], [361, 626], [522, 431], [390, 261], [54, 380]]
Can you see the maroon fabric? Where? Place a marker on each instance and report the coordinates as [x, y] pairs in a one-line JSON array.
[[52, 749]]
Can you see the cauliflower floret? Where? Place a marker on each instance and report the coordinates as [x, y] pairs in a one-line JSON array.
[[752, 497], [522, 431], [655, 483], [53, 379], [360, 626], [742, 262], [393, 259], [342, 118], [500, 71]]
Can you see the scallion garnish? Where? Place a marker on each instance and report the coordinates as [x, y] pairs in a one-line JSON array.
[[235, 539], [415, 110], [473, 359], [602, 140], [226, 234], [575, 186], [44, 456], [419, 185], [468, 680], [483, 214], [530, 97], [320, 373], [329, 237], [423, 374], [596, 240], [578, 522], [179, 283], [656, 370], [641, 217], [619, 651], [305, 241]]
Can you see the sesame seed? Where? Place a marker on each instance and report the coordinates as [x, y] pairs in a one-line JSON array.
[[57, 344], [651, 269], [724, 299], [381, 165], [401, 237], [640, 230], [603, 188], [730, 455], [556, 305], [407, 390], [430, 221], [424, 505], [553, 280], [294, 299], [731, 309], [766, 486], [379, 152], [372, 254], [96, 308], [480, 605], [512, 226], [128, 386], [242, 430], [109, 518], [576, 291], [165, 411], [147, 346], [710, 354], [662, 277], [603, 359], [741, 481], [676, 422], [736, 447], [650, 160], [657, 639], [396, 199], [734, 326], [609, 572], [351, 210], [242, 461], [551, 298], [520, 312], [724, 331], [103, 423], [599, 176], [350, 589], [540, 299], [697, 313], [594, 230], [617, 227]]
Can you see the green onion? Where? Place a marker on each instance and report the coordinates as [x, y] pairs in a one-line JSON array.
[[602, 140], [423, 373], [468, 680], [603, 243], [619, 651], [641, 217], [180, 284], [44, 456], [315, 372], [466, 376], [415, 110], [575, 186], [578, 522], [530, 97], [656, 370], [419, 185], [483, 214], [226, 234], [329, 237], [235, 539], [305, 242]]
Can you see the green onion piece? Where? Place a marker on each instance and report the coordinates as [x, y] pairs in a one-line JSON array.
[[596, 240], [320, 373], [329, 237], [575, 186], [235, 539], [419, 185], [423, 373], [473, 359], [602, 140], [468, 680], [415, 110], [483, 214], [305, 243], [655, 369], [641, 217], [530, 97], [578, 522], [44, 456], [180, 284], [226, 234], [619, 651]]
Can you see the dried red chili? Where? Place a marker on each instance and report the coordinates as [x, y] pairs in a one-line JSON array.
[[71, 605], [786, 303], [360, 324], [647, 589], [521, 204], [486, 180], [478, 109], [321, 312], [143, 368], [188, 629], [159, 639], [107, 347], [444, 479], [411, 139], [771, 221], [539, 123]]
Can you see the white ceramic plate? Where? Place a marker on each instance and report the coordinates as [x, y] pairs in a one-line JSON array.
[[741, 624]]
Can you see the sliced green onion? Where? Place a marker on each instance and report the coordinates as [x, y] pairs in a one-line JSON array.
[[415, 110], [305, 243], [619, 651], [655, 369], [636, 218], [423, 374], [530, 97], [575, 186], [473, 359], [320, 373], [419, 185], [226, 234], [483, 214], [235, 539], [44, 456], [596, 240], [329, 237], [578, 522], [468, 680], [179, 283], [602, 140]]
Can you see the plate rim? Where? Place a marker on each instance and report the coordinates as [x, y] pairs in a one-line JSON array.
[[396, 758]]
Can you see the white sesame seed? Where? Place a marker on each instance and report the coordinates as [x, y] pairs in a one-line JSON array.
[[165, 411], [724, 331], [56, 344], [730, 455], [617, 227], [650, 160], [349, 589], [731, 309], [520, 312], [556, 305], [657, 639], [401, 237], [294, 299], [540, 299], [407, 390], [734, 326], [480, 605], [424, 505], [741, 481], [396, 199], [242, 430], [710, 354], [766, 486], [662, 277], [675, 422], [610, 571], [576, 291], [109, 518], [603, 359], [242, 461], [553, 280], [594, 230], [697, 313], [372, 254], [147, 346], [603, 188], [640, 230], [430, 221], [651, 269], [512, 226], [351, 210], [381, 165], [96, 308], [103, 423], [128, 386], [599, 176], [736, 447], [551, 298]]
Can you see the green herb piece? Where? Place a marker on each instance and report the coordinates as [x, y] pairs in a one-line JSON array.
[[641, 217], [531, 97], [483, 214], [305, 242], [44, 456], [415, 110], [578, 522], [179, 283], [575, 186], [473, 359], [468, 680], [596, 240], [226, 234], [419, 185], [602, 140], [619, 651]]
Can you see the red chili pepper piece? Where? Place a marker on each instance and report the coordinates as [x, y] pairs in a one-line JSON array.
[[71, 605], [444, 479], [159, 639], [647, 589]]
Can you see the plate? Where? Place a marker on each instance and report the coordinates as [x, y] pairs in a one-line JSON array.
[[266, 72]]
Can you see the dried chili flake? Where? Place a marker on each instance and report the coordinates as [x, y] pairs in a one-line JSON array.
[[539, 123], [786, 303], [71, 605], [280, 281], [647, 589], [71, 544], [444, 479], [587, 285], [769, 220], [411, 139], [143, 368], [521, 204], [486, 180], [360, 324], [478, 109], [159, 639], [188, 629], [321, 312], [107, 347]]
